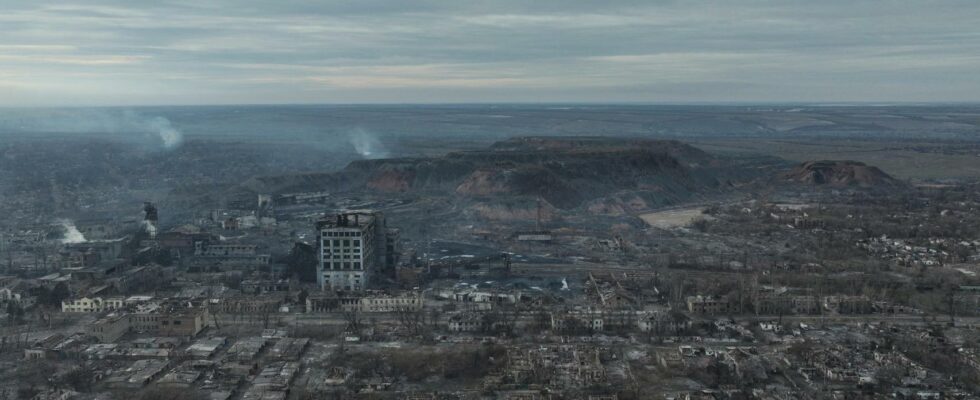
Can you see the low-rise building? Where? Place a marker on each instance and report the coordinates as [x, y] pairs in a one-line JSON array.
[[711, 305], [467, 322], [92, 305], [184, 321], [261, 286], [779, 304], [250, 304], [369, 303], [232, 254], [138, 374], [577, 321], [848, 304], [408, 301], [110, 328], [276, 376], [43, 348], [288, 349], [164, 320], [663, 323], [205, 348], [246, 349]]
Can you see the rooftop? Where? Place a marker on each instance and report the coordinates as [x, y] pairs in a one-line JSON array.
[[354, 219]]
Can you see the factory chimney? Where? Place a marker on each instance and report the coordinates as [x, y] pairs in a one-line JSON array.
[[150, 212]]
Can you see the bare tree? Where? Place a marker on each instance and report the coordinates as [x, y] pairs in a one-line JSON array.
[[353, 318]]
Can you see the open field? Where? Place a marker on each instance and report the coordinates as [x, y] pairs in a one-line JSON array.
[[904, 159], [668, 219]]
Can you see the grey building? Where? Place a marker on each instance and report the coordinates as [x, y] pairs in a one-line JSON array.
[[352, 247]]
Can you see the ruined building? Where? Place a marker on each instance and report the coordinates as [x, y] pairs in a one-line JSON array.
[[354, 248]]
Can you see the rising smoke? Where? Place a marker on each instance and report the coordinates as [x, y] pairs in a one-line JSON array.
[[72, 234], [149, 228], [366, 144], [155, 132], [170, 136]]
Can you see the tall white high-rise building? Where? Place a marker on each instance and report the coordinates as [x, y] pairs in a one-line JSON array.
[[348, 250]]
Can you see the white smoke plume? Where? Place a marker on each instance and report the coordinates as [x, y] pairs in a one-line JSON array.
[[367, 145], [170, 136], [72, 234], [149, 228], [152, 131]]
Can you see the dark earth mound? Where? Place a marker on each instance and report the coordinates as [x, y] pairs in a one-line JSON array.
[[839, 173], [565, 172]]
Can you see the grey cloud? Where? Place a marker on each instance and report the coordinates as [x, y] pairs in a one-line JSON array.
[[251, 51]]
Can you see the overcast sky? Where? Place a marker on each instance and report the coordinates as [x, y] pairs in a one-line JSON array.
[[133, 52]]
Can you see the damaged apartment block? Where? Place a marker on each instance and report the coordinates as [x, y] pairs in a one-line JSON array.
[[354, 249]]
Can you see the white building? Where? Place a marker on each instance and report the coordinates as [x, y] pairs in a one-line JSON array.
[[410, 301], [348, 246], [92, 305], [99, 304]]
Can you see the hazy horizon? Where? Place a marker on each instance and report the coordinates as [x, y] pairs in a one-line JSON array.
[[814, 104]]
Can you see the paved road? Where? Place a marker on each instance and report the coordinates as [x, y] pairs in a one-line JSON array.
[[338, 319], [915, 320]]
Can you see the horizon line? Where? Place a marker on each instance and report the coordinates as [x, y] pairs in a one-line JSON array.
[[856, 103]]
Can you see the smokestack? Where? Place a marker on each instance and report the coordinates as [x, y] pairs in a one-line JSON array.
[[339, 219], [150, 212], [356, 220]]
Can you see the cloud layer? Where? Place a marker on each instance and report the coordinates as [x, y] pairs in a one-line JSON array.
[[249, 51]]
